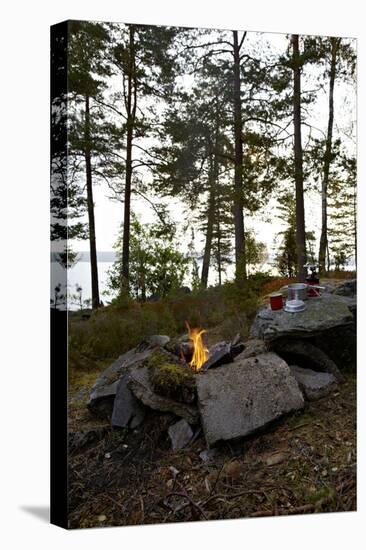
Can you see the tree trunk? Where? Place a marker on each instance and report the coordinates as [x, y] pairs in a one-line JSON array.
[[131, 113], [213, 176], [240, 260], [299, 176], [355, 221], [90, 202], [328, 157], [209, 233], [219, 268]]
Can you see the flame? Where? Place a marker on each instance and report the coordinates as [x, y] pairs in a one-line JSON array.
[[200, 352]]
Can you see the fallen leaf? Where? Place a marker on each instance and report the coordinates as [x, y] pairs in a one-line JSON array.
[[275, 458], [232, 470]]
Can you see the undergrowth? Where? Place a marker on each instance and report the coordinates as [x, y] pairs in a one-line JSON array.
[[114, 329]]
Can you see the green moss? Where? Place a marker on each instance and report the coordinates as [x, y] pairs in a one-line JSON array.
[[170, 378]]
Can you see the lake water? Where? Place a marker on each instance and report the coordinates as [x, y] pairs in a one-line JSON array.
[[79, 275]]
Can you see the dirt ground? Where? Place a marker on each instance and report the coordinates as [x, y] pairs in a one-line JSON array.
[[304, 463]]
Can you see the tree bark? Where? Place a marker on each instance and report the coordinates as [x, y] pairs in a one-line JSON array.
[[209, 232], [354, 204], [299, 175], [240, 259], [219, 268], [328, 157], [90, 203], [213, 177], [131, 114]]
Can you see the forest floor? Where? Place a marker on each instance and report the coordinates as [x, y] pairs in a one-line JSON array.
[[305, 463]]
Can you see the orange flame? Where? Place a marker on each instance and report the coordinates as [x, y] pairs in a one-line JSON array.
[[200, 352]]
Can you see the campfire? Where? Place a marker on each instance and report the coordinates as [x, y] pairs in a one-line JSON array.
[[200, 352]]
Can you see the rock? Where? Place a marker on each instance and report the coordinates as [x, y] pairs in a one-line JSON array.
[[104, 390], [346, 288], [219, 354], [159, 340], [236, 340], [208, 455], [306, 355], [245, 396], [313, 384], [139, 383], [170, 377], [340, 344], [351, 303], [252, 348], [128, 412], [237, 349], [181, 349], [180, 434], [321, 314]]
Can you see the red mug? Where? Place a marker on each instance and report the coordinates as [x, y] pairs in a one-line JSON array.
[[313, 291], [276, 301]]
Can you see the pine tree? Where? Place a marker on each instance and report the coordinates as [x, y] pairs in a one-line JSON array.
[[142, 59], [86, 72], [343, 214]]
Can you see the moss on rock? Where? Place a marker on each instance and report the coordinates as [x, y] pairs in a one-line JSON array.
[[171, 378]]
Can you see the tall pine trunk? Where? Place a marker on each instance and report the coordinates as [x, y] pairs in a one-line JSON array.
[[354, 212], [299, 175], [90, 203], [240, 257], [323, 245], [209, 233], [131, 114], [213, 177], [219, 259]]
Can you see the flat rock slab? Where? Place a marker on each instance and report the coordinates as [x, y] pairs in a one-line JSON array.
[[321, 314], [314, 384], [139, 383], [128, 412], [238, 399], [107, 383], [180, 434], [219, 354]]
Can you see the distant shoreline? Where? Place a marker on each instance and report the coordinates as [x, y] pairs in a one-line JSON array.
[[102, 255]]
